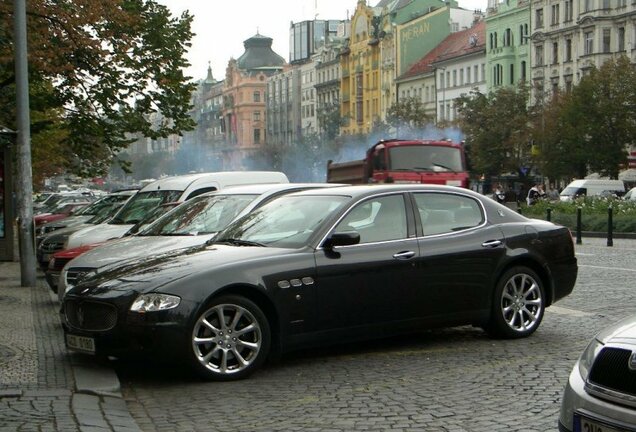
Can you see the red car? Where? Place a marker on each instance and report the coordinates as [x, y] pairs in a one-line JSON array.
[[59, 213], [59, 260]]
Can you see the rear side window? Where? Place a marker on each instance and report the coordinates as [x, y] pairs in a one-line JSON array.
[[200, 192], [445, 213]]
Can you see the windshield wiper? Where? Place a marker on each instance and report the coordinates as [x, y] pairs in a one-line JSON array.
[[240, 242], [445, 167]]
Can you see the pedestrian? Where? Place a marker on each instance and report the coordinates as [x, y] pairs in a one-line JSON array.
[[552, 193], [535, 194], [499, 194]]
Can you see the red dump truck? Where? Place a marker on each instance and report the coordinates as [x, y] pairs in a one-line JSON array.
[[405, 161]]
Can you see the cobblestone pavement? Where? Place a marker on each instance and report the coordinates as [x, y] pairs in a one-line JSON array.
[[454, 380], [42, 387]]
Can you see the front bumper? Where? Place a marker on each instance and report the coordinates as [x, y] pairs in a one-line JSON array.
[[577, 400], [162, 332]]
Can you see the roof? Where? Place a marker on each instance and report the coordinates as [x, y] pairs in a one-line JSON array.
[[455, 45], [259, 54]]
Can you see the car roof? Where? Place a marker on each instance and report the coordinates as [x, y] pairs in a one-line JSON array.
[[364, 190], [276, 187], [181, 182]]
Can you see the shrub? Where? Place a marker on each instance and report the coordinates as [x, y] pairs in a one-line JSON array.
[[594, 213]]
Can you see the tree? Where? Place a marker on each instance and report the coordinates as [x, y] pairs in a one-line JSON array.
[[110, 66], [497, 130], [329, 120], [407, 115]]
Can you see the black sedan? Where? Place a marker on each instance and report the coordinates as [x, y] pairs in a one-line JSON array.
[[328, 266]]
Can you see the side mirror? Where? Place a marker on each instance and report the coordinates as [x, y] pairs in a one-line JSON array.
[[347, 238]]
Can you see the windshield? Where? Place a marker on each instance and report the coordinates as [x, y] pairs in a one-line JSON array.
[[105, 213], [202, 215], [573, 191], [427, 158], [286, 222], [141, 204]]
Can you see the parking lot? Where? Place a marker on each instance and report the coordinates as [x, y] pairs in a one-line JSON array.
[[440, 380]]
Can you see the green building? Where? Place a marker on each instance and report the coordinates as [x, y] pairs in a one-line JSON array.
[[507, 43]]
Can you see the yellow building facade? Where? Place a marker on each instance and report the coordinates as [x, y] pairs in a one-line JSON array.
[[360, 85]]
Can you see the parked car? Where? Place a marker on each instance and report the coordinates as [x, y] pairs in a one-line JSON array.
[[82, 215], [194, 223], [56, 241], [53, 248], [169, 189], [630, 195], [600, 395], [328, 266], [61, 211]]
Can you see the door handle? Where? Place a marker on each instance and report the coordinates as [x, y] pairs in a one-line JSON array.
[[404, 255], [491, 243]]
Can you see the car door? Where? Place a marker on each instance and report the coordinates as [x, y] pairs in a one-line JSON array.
[[458, 254], [370, 282]]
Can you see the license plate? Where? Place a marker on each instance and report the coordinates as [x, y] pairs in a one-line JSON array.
[[584, 424], [80, 343]]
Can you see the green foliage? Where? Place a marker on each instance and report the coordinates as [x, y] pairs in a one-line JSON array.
[[116, 66], [497, 130], [594, 213], [406, 115]]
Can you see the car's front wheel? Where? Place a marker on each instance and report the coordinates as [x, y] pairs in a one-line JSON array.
[[229, 339], [518, 304]]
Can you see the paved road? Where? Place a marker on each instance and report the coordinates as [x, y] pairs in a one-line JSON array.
[[455, 380]]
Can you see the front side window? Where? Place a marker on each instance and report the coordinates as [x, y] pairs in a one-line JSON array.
[[378, 219], [442, 213], [286, 222]]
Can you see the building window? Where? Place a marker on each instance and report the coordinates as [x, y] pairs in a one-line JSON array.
[[555, 14], [555, 53], [507, 38], [621, 3], [257, 136], [607, 40], [568, 11], [476, 70], [621, 39], [538, 55], [606, 4], [461, 77], [539, 18], [588, 43], [455, 78], [257, 116], [257, 96], [468, 75], [523, 70], [568, 50], [512, 74], [587, 5]]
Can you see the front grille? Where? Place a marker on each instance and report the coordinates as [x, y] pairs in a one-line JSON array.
[[75, 274], [611, 371], [59, 263], [51, 247], [89, 315]]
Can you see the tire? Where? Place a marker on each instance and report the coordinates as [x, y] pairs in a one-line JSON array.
[[231, 348], [518, 304]]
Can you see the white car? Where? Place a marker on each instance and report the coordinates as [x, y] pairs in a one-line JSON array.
[[600, 395], [190, 224], [630, 195]]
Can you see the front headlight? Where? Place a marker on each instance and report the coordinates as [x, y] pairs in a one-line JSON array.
[[154, 302], [587, 358]]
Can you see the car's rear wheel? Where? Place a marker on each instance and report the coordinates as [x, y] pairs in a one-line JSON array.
[[518, 304], [229, 339]]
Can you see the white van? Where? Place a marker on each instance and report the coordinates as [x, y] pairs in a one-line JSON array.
[[169, 189], [592, 187]]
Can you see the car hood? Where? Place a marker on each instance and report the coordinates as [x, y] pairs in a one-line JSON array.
[[97, 234], [623, 331], [69, 221], [150, 273], [136, 247]]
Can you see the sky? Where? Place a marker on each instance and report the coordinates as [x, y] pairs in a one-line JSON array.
[[221, 26]]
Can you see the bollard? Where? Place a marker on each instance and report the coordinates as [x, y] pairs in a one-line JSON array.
[[610, 226], [578, 226], [549, 215]]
